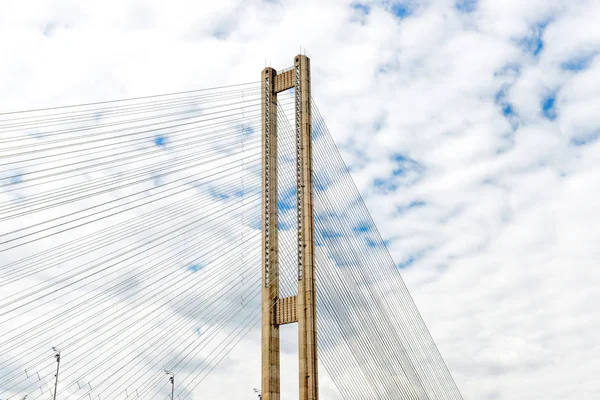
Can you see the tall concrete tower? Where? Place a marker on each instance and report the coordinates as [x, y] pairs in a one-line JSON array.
[[301, 308]]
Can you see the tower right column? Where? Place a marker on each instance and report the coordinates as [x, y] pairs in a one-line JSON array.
[[306, 300]]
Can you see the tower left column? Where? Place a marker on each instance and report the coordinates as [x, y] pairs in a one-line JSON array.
[[270, 245]]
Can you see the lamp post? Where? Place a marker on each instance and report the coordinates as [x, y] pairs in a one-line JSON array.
[[57, 356], [172, 380]]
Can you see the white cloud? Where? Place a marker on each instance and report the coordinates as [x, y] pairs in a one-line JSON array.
[[505, 239]]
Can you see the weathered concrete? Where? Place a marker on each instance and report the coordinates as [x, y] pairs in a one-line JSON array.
[[277, 311]]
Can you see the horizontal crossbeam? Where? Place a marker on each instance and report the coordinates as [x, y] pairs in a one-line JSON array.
[[284, 81], [286, 311]]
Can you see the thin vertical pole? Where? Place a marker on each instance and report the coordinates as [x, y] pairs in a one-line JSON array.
[[57, 356], [270, 385], [307, 311], [173, 387]]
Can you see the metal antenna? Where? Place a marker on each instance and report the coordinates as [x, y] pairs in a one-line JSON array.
[[172, 380], [57, 356]]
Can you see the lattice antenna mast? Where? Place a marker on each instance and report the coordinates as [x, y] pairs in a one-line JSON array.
[[302, 307]]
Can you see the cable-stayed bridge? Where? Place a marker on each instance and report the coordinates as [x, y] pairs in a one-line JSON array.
[[144, 240]]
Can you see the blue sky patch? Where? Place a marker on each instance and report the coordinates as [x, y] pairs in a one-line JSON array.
[[319, 240], [379, 124], [385, 184], [412, 205], [156, 180], [289, 193], [16, 178], [363, 8], [330, 234], [217, 194], [383, 69], [508, 70], [505, 105], [407, 263], [287, 199], [372, 243], [405, 164], [406, 173], [317, 131], [400, 10], [466, 6], [255, 223], [548, 107], [195, 267], [507, 110], [363, 227], [247, 131], [339, 260], [584, 140], [285, 225], [160, 141], [577, 64], [220, 33], [319, 186], [534, 43], [283, 205]]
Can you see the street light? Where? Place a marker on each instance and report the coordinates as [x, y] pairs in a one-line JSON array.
[[57, 356], [172, 380]]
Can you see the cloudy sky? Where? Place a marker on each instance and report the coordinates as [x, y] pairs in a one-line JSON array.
[[470, 127]]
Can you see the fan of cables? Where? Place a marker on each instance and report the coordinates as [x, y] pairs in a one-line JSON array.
[[130, 245]]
